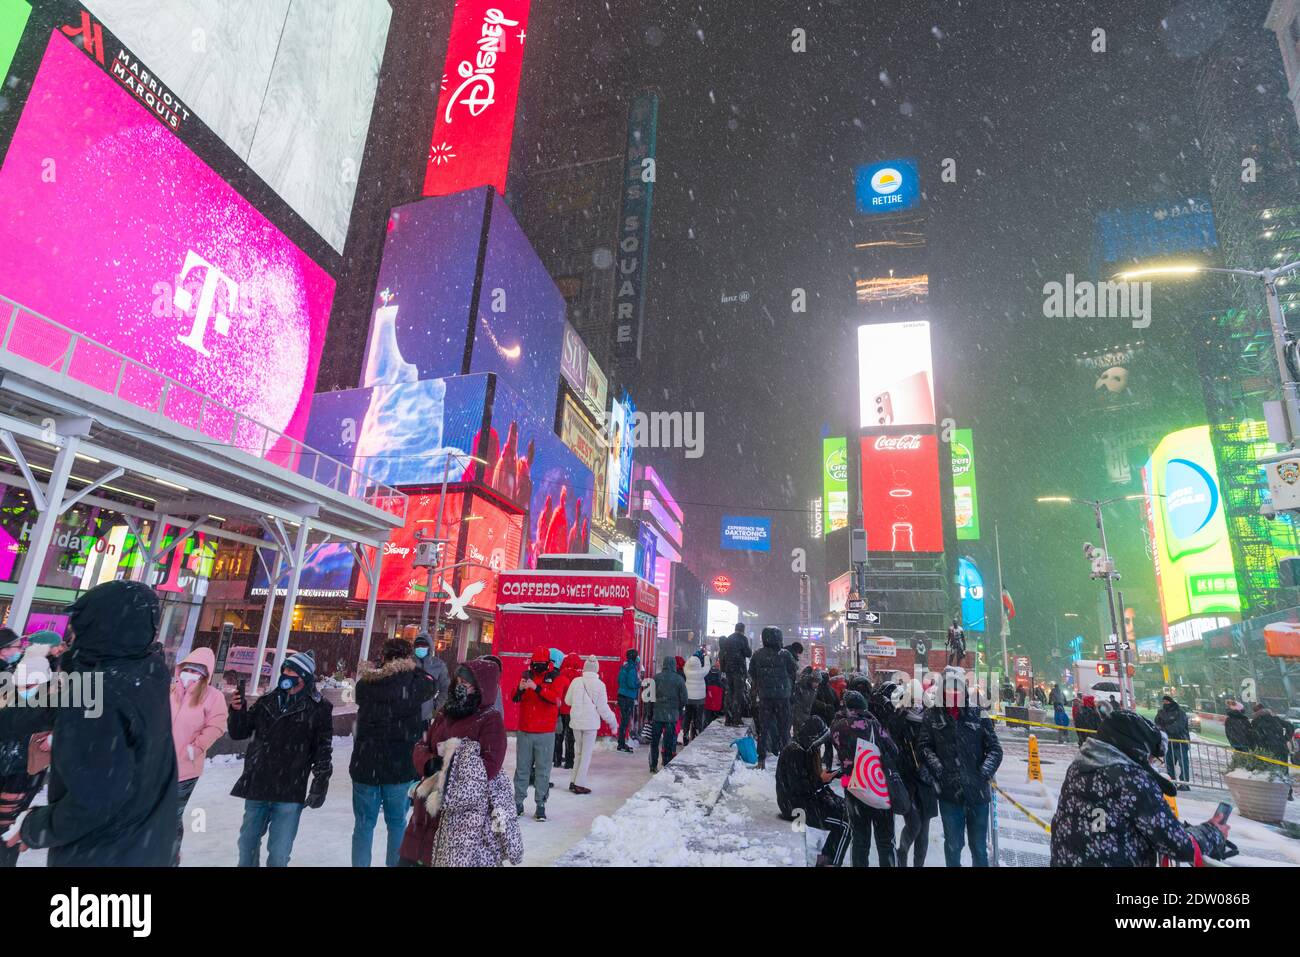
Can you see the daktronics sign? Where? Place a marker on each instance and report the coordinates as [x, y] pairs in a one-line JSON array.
[[480, 88], [900, 493]]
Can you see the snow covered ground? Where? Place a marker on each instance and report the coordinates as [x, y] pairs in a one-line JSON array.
[[325, 835]]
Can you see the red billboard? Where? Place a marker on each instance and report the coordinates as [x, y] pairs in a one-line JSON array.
[[480, 87], [900, 493], [492, 542], [399, 579]]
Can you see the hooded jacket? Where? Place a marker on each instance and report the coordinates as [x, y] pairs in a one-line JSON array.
[[629, 677], [436, 669], [714, 689], [196, 725], [474, 821], [484, 726], [773, 669], [588, 700], [798, 777], [390, 702], [293, 739], [695, 670], [539, 707], [112, 790], [805, 694], [570, 671], [670, 692], [1138, 823], [962, 753]]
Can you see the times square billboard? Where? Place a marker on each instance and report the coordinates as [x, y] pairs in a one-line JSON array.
[[117, 231], [901, 509]]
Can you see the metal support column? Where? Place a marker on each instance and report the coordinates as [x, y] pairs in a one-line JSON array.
[[290, 595], [370, 569], [50, 504], [273, 580]]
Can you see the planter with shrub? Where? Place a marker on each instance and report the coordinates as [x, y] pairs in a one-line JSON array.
[[1259, 788]]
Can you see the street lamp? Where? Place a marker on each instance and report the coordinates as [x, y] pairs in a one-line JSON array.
[[1108, 572], [1283, 341]]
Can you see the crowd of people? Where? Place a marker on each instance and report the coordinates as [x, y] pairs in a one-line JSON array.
[[430, 749]]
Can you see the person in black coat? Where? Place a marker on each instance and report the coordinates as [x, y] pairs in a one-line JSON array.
[[961, 749], [1238, 729], [26, 718], [390, 701], [803, 784], [1172, 720], [734, 651], [292, 730], [112, 790], [773, 672], [904, 727]]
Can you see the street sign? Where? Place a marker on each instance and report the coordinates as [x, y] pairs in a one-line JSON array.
[[853, 617], [883, 648], [871, 618], [856, 604], [352, 624]]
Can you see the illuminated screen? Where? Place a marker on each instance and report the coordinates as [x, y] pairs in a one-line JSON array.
[[13, 17], [326, 574], [410, 433], [620, 456], [900, 493], [531, 467], [422, 296], [895, 374], [746, 533], [970, 587], [399, 579], [721, 617], [1195, 573], [589, 446], [835, 482], [966, 509], [519, 331], [116, 230], [493, 539]]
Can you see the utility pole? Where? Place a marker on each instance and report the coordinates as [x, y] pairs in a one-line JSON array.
[[1006, 625]]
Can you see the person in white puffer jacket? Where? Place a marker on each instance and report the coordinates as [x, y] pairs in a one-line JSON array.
[[696, 668], [589, 703]]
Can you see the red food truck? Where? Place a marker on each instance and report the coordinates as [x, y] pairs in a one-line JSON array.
[[581, 610]]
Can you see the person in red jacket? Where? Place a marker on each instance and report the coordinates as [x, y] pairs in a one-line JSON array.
[[569, 670], [539, 695]]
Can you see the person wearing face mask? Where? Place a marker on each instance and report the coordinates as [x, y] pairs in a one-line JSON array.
[[198, 720], [25, 722], [292, 740], [538, 695], [112, 787], [436, 669], [489, 831]]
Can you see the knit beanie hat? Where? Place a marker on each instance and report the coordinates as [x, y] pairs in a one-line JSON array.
[[304, 663], [591, 666]]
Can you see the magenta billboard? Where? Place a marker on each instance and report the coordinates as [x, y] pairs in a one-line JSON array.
[[116, 230]]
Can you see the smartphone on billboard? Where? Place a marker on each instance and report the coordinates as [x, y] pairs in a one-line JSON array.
[[906, 402]]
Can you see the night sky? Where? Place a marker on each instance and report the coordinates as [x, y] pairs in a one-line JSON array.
[[757, 146]]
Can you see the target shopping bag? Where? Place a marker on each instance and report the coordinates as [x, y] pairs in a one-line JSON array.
[[868, 782]]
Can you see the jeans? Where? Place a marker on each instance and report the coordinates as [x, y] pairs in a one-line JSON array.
[[773, 725], [626, 710], [586, 746], [183, 791], [693, 720], [960, 820], [367, 799], [563, 743], [864, 819], [533, 752], [665, 731], [1179, 759], [282, 818], [915, 836]]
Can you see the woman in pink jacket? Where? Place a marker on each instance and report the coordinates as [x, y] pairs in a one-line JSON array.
[[198, 720]]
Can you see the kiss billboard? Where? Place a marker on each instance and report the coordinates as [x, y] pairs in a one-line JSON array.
[[114, 229], [480, 89], [900, 493]]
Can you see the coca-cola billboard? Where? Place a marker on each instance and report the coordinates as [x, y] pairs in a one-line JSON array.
[[900, 493]]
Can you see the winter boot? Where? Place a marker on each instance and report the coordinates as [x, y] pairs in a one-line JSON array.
[[540, 815], [519, 810]]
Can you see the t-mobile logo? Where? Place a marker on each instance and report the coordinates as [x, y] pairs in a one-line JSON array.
[[183, 300]]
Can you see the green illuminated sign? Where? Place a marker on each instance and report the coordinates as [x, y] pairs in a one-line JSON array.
[[965, 501], [835, 483], [13, 17]]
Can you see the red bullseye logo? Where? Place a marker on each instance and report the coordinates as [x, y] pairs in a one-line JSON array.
[[868, 775]]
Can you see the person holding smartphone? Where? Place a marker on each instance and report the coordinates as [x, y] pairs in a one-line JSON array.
[[1112, 810]]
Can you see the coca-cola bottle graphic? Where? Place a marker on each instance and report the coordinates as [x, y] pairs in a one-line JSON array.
[[900, 492]]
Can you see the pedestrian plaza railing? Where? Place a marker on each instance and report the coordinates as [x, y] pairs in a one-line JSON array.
[[58, 356], [1206, 765]]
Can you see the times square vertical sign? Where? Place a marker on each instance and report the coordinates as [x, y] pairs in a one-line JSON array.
[[479, 92], [634, 226]]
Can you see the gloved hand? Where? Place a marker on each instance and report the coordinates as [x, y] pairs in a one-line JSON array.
[[316, 796]]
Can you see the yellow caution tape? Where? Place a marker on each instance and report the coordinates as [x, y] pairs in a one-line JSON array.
[[1022, 809]]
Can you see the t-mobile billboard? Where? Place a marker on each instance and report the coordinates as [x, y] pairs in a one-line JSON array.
[[113, 228], [900, 493]]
